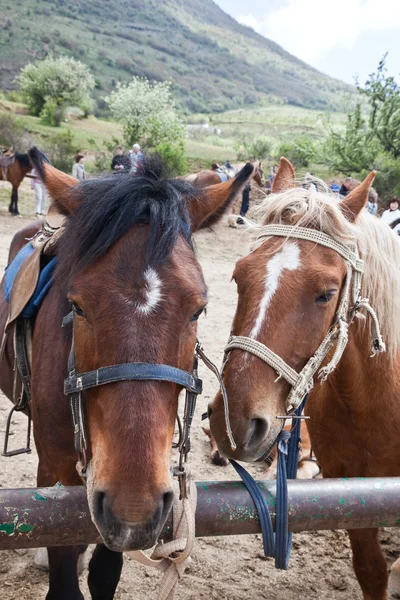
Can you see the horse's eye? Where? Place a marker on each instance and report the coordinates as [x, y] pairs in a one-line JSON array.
[[325, 297], [77, 310], [196, 315]]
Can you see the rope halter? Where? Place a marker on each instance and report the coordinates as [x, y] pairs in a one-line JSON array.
[[350, 304]]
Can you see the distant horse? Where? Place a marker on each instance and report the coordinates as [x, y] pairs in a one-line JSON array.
[[15, 174], [127, 269], [302, 293], [212, 176]]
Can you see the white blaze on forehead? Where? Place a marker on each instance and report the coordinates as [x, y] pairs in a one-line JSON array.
[[287, 258], [152, 291]]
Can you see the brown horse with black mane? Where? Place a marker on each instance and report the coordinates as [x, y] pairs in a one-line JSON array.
[[15, 173], [127, 268], [306, 298]]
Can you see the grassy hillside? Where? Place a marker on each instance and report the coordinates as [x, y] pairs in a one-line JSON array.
[[214, 62], [276, 123]]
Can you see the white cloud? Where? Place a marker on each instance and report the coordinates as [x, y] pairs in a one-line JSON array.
[[310, 29]]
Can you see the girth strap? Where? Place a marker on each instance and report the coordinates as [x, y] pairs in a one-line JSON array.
[[75, 383]]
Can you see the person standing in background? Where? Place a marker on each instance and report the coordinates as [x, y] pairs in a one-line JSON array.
[[40, 193], [121, 162], [78, 170], [137, 157], [393, 212]]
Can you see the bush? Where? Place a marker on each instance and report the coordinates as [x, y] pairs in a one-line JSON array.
[[61, 150], [300, 152], [258, 149], [173, 157], [53, 84], [387, 181], [13, 133]]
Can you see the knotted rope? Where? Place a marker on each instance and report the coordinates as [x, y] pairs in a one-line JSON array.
[[174, 557]]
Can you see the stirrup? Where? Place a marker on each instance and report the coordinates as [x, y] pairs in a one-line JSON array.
[[27, 449]]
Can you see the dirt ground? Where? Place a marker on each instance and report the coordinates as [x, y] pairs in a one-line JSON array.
[[222, 568]]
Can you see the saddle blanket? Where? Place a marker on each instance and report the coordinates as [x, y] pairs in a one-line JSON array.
[[43, 283]]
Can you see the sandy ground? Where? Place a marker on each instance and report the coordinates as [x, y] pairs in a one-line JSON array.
[[223, 568]]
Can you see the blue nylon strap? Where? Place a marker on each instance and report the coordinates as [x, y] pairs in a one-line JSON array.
[[277, 545], [261, 506]]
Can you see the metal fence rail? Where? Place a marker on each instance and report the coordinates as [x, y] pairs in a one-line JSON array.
[[59, 516]]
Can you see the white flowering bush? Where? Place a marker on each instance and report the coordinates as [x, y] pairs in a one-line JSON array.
[[147, 112], [53, 84]]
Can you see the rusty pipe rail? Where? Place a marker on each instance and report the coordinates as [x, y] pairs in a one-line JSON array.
[[59, 516]]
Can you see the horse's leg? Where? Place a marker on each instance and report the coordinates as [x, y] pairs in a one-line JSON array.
[[104, 573], [369, 563], [13, 208], [216, 457], [63, 572]]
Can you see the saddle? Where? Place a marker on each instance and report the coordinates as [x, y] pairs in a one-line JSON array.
[[7, 157], [27, 280]]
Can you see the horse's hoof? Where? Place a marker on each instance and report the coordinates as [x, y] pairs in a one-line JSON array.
[[219, 460]]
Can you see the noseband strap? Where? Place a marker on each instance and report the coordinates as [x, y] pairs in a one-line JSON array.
[[76, 382]]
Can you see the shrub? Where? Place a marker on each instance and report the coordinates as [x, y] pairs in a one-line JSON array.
[[301, 152], [61, 150], [173, 157], [258, 149], [53, 84]]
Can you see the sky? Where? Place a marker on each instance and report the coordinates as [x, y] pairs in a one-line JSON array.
[[342, 38]]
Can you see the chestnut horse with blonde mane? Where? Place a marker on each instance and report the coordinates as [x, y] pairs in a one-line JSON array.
[[291, 292], [127, 268]]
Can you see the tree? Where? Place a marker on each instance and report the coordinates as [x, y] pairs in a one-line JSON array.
[[53, 84], [353, 150], [147, 112], [383, 96]]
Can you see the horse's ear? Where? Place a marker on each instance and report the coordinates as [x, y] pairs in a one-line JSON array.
[[284, 178], [355, 201], [215, 200], [59, 184]]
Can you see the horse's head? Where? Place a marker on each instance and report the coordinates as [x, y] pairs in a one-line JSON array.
[[289, 291], [258, 174], [128, 268]]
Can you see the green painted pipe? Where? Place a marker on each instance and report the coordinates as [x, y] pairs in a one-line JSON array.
[[59, 516]]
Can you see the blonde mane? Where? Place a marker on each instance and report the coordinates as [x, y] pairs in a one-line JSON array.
[[378, 245]]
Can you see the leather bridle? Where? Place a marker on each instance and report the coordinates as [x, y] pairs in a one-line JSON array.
[[76, 383]]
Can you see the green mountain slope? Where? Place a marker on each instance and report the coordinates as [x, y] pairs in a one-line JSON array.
[[214, 62]]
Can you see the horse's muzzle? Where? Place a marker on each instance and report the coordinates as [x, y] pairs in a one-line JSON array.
[[121, 536]]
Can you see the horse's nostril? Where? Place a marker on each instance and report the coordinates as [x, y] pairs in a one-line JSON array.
[[166, 504], [209, 411], [258, 429]]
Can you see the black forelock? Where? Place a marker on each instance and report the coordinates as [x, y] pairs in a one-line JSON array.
[[109, 206]]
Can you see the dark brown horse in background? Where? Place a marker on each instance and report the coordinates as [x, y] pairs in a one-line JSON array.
[[15, 174], [127, 268]]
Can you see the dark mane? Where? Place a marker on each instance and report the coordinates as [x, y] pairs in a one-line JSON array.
[[23, 159], [113, 204]]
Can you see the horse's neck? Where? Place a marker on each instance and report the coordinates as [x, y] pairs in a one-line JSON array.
[[360, 379]]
